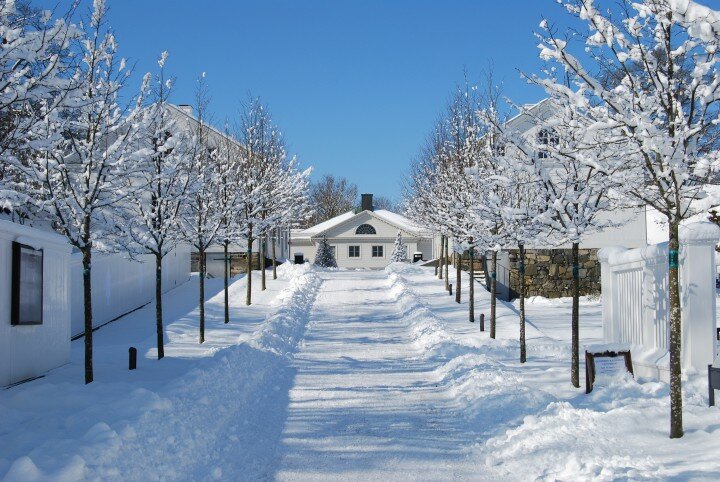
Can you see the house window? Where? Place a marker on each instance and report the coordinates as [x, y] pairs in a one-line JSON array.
[[332, 250], [354, 251], [365, 229], [27, 285], [546, 137], [377, 251]]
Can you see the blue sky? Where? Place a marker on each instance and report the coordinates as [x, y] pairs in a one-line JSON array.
[[354, 85]]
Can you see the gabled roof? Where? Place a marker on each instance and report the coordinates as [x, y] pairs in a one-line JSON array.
[[397, 220]]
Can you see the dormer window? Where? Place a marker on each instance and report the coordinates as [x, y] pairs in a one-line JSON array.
[[546, 137], [365, 229]]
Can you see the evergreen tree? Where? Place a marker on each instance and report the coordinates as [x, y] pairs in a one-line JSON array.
[[399, 253], [325, 256]]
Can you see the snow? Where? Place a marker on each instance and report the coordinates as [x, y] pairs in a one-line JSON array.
[[324, 226], [349, 375], [399, 221]]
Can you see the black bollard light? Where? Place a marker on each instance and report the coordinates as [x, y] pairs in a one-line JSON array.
[[450, 289], [482, 321], [132, 361]]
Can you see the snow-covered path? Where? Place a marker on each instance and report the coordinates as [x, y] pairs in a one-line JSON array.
[[349, 375], [364, 404]]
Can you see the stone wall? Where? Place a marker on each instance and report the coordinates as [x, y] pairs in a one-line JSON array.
[[548, 272]]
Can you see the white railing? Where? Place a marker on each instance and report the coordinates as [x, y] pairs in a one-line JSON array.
[[636, 304]]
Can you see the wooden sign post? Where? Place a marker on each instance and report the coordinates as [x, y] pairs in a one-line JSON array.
[[605, 363]]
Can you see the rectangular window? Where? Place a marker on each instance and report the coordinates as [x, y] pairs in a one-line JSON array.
[[27, 285], [332, 250], [354, 251], [377, 251]]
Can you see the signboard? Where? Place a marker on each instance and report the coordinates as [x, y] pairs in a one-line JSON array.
[[713, 383], [605, 363]]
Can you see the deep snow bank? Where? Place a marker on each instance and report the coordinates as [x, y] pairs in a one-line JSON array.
[[483, 390], [231, 402]]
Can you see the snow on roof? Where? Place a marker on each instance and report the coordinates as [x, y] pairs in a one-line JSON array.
[[397, 220], [400, 221], [325, 225]]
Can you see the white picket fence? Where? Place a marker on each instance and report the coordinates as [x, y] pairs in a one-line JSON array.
[[636, 303]]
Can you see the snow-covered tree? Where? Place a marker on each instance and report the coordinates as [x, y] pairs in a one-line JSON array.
[[324, 256], [399, 252], [36, 78], [151, 219], [665, 98], [79, 154], [575, 165], [256, 180], [204, 215]]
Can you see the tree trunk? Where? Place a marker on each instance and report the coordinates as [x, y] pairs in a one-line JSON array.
[[471, 287], [274, 261], [676, 421], [262, 249], [226, 282], [458, 275], [440, 259], [248, 271], [575, 373], [447, 264], [493, 293], [87, 299], [202, 295], [523, 347], [158, 307]]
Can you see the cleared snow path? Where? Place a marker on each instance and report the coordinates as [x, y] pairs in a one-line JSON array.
[[365, 403]]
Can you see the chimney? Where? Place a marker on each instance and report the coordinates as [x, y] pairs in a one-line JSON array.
[[366, 202], [187, 108]]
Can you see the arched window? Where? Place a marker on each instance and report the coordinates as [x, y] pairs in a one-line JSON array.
[[546, 137], [365, 229]]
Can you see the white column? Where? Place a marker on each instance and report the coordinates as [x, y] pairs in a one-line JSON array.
[[697, 296]]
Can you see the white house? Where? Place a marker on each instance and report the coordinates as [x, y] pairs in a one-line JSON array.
[[364, 239]]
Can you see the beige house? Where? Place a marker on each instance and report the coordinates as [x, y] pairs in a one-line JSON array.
[[364, 238]]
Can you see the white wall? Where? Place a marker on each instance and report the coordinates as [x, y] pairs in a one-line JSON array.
[[29, 351], [636, 304], [120, 285]]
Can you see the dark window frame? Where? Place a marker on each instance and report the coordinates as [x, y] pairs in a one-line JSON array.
[[350, 251], [15, 285], [365, 229], [378, 251]]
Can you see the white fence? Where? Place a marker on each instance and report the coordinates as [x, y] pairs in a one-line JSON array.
[[30, 350], [120, 285], [636, 304]]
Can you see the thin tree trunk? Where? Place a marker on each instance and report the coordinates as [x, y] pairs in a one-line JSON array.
[[458, 276], [447, 264], [493, 293], [274, 261], [676, 420], [523, 347], [440, 259], [158, 307], [263, 247], [202, 295], [226, 281], [248, 271], [87, 299], [575, 373], [471, 288]]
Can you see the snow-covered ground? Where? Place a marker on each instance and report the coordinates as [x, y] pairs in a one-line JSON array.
[[348, 375]]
